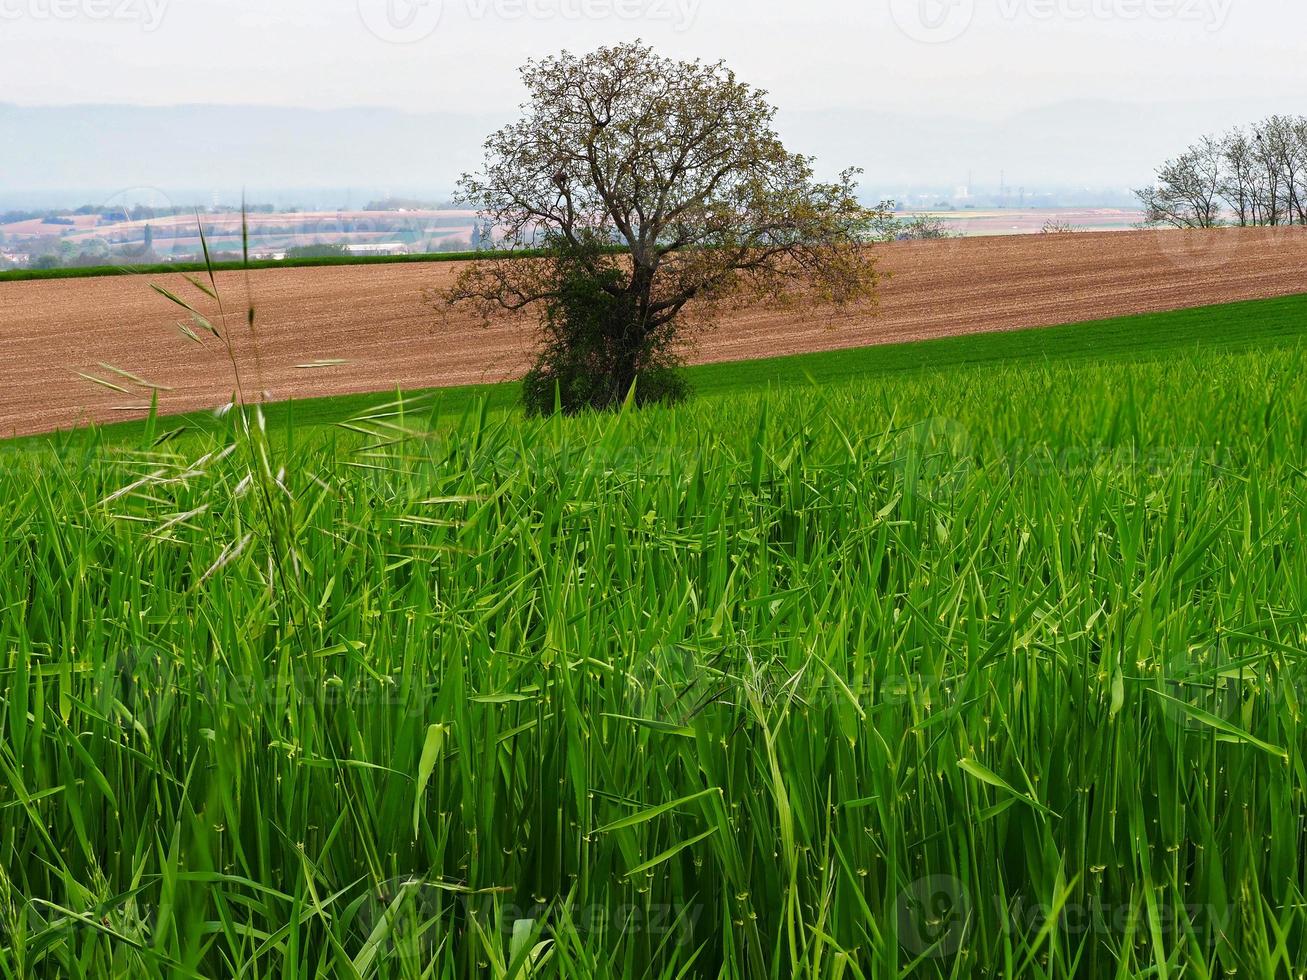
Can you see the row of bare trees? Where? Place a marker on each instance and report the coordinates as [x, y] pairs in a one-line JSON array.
[[1249, 177]]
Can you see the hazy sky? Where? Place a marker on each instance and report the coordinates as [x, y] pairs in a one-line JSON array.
[[980, 58]]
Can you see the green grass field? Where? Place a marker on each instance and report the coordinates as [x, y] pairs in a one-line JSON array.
[[978, 658], [1259, 324]]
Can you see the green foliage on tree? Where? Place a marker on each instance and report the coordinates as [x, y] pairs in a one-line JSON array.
[[660, 191], [593, 352]]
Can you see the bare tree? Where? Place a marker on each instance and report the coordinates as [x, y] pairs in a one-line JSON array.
[[1274, 143], [1242, 183], [1256, 177], [652, 185], [1284, 136], [1059, 226], [1298, 142], [1188, 189]]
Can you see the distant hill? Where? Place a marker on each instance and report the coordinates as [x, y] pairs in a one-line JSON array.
[[1097, 144], [194, 152], [347, 157]]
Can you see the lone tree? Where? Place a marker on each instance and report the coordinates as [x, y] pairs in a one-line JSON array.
[[645, 192]]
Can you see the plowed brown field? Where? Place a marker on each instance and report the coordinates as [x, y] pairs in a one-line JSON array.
[[374, 318]]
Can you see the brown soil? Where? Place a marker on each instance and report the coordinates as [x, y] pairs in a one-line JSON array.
[[374, 317]]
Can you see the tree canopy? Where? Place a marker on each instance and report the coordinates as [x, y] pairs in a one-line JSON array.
[[664, 185], [1249, 177]]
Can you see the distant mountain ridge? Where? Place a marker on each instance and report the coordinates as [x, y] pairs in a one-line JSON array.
[[216, 149], [195, 152]]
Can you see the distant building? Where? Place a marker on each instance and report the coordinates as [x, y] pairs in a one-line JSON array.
[[378, 248]]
